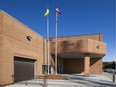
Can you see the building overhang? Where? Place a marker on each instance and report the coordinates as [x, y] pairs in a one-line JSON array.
[[78, 55], [79, 48]]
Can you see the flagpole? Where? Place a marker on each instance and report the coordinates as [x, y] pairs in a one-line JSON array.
[[48, 41], [56, 44]]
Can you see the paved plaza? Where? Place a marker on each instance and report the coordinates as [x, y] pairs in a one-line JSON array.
[[73, 81]]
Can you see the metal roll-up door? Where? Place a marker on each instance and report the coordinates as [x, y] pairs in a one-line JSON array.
[[23, 69]]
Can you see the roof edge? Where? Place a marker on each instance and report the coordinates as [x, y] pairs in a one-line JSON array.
[[76, 35]]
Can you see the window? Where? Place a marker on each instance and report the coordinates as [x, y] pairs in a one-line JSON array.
[[97, 47], [45, 69]]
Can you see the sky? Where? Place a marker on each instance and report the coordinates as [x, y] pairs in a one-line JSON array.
[[78, 17]]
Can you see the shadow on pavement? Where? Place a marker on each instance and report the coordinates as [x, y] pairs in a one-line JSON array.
[[90, 82]]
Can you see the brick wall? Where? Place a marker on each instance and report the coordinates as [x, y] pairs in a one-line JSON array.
[[14, 42], [0, 57], [96, 65], [98, 37]]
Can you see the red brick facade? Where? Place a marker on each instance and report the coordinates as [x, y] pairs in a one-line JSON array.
[[72, 50]]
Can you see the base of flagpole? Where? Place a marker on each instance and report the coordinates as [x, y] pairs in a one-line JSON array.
[[56, 73]]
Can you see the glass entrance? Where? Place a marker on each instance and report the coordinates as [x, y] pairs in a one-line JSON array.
[[59, 69], [45, 69]]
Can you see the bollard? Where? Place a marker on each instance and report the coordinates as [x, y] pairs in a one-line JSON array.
[[45, 82], [114, 77], [26, 83]]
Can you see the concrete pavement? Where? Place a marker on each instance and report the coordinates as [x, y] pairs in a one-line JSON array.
[[73, 81], [109, 75]]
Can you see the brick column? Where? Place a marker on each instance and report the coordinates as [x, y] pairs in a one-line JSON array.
[[86, 65]]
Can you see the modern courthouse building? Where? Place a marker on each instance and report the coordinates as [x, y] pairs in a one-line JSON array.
[[23, 52]]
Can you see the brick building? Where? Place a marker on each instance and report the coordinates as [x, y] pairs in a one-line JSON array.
[[23, 52]]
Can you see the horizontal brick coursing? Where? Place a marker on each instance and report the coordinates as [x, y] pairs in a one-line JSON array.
[[96, 65], [14, 42]]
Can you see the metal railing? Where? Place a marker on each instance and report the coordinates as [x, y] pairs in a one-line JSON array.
[[40, 80], [43, 81]]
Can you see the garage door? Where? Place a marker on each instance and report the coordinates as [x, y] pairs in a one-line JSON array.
[[23, 69]]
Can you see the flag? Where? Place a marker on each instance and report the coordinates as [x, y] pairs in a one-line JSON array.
[[47, 13], [57, 10]]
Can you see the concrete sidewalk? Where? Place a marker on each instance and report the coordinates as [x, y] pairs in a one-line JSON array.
[[109, 75], [73, 81]]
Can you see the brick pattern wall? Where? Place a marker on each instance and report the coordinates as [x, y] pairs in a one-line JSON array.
[[0, 23], [0, 57], [79, 46], [86, 65], [96, 47], [96, 65], [15, 43], [98, 37]]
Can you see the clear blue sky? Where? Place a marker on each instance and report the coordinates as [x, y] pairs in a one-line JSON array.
[[78, 17]]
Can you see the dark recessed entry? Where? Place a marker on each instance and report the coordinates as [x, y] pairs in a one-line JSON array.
[[23, 69]]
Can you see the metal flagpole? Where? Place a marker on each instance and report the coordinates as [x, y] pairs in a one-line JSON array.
[[56, 44], [48, 41]]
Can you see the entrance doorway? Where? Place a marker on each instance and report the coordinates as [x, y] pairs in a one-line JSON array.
[[59, 69], [45, 69]]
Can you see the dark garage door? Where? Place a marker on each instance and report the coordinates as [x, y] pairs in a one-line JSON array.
[[23, 69]]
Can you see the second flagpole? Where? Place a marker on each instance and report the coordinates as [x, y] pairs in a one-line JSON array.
[[56, 44]]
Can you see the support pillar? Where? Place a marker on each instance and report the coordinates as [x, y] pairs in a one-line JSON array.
[[86, 65]]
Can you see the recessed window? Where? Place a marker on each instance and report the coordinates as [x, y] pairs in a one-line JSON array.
[[97, 47], [29, 38]]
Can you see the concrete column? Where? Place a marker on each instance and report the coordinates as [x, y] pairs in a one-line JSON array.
[[86, 65]]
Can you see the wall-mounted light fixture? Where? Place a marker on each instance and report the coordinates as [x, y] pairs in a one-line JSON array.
[[29, 38]]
